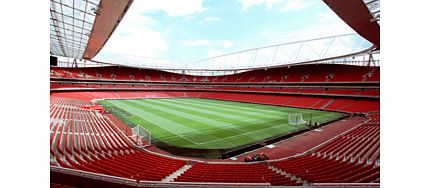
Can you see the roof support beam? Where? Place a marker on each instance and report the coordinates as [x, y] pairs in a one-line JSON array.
[[109, 15]]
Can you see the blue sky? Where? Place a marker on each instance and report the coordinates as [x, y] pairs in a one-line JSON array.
[[189, 30]]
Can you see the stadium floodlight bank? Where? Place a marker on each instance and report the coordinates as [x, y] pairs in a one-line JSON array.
[[296, 119], [141, 136]]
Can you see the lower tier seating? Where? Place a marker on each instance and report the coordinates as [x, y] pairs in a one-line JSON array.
[[137, 165], [361, 144], [325, 170], [231, 173]]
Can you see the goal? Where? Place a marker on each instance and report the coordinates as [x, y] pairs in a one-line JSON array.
[[141, 136], [296, 119]]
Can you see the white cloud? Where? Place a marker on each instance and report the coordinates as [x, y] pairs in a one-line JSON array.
[[172, 8], [211, 19], [134, 36], [226, 44], [246, 4], [213, 52], [295, 5], [279, 5], [327, 24], [143, 42], [209, 43], [198, 42]]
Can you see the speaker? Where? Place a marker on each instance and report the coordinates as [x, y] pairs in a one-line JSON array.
[[54, 61]]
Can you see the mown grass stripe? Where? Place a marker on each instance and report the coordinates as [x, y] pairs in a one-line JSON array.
[[256, 107], [250, 133], [285, 110], [161, 122], [255, 126], [191, 120], [222, 109], [235, 118]]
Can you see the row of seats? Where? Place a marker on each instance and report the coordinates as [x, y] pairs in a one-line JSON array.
[[78, 133], [313, 168], [300, 73], [90, 95], [361, 144], [231, 173], [137, 165], [325, 103], [352, 157]]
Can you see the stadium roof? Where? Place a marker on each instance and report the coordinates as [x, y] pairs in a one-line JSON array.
[[80, 28], [360, 15]]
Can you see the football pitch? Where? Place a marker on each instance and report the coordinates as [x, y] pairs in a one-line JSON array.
[[210, 124]]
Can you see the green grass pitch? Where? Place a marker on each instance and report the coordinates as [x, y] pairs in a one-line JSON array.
[[211, 124]]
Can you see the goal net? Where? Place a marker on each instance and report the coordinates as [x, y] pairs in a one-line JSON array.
[[141, 136], [295, 119]]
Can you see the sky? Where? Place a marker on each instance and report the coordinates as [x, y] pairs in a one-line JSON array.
[[181, 32]]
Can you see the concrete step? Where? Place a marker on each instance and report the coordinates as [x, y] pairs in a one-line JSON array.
[[326, 104], [292, 176], [177, 173]]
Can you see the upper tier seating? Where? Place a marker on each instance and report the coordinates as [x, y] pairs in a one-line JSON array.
[[301, 73], [304, 90]]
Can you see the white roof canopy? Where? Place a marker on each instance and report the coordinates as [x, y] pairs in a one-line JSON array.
[[71, 25], [80, 28]]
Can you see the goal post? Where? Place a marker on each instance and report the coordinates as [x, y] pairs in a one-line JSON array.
[[295, 119], [141, 136]]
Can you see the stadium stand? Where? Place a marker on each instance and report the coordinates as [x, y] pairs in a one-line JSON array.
[[339, 73], [339, 104], [96, 154], [319, 169], [81, 139], [249, 173]]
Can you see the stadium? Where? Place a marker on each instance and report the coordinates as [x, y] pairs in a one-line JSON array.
[[297, 113]]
